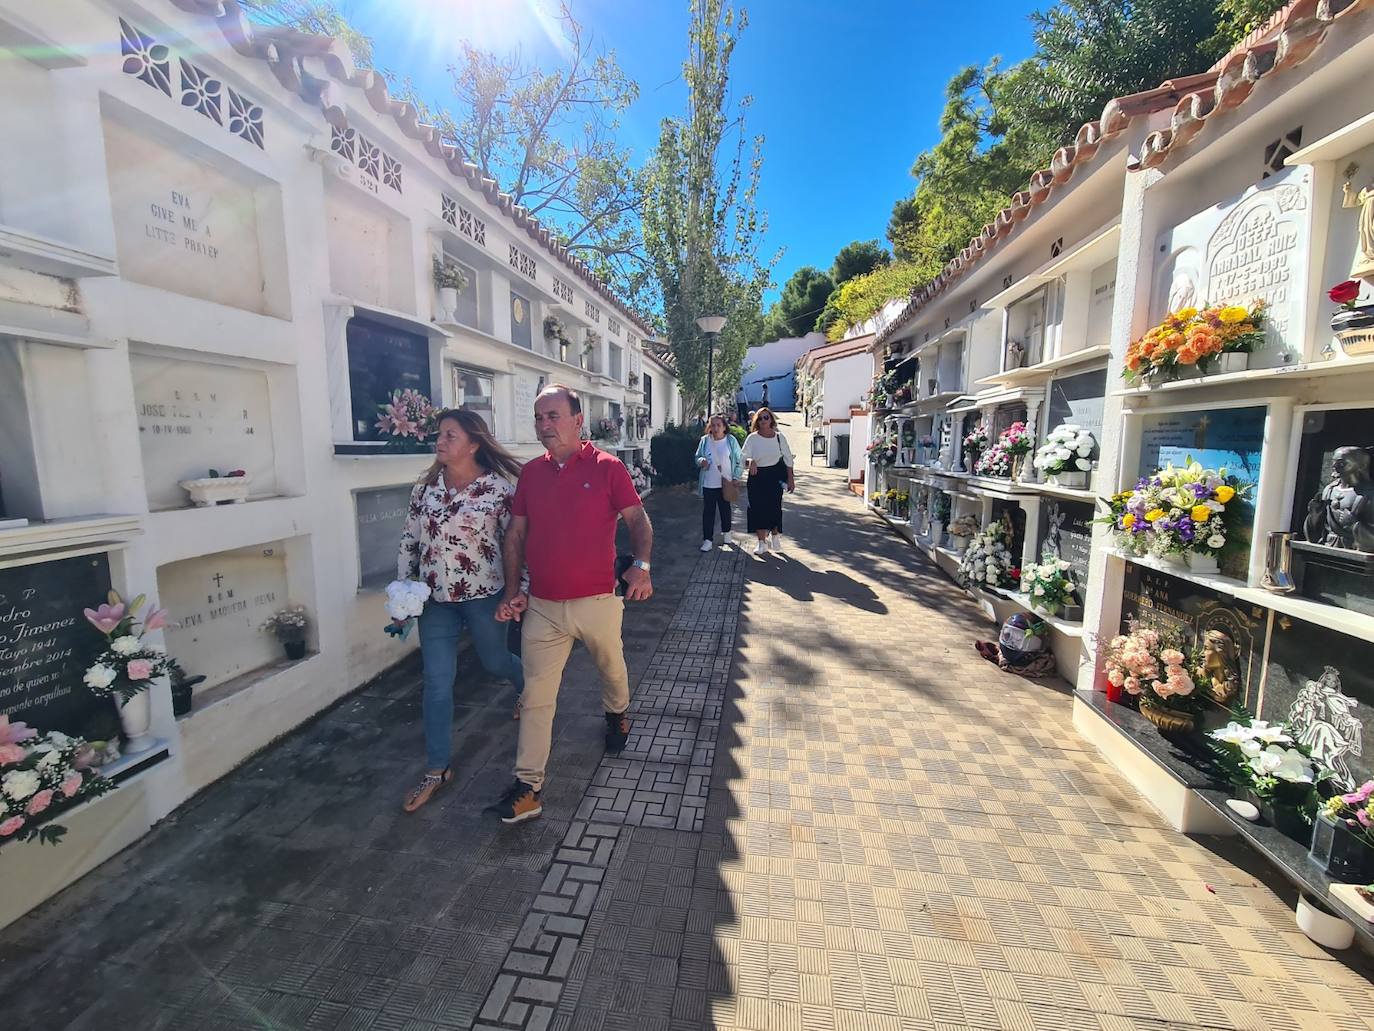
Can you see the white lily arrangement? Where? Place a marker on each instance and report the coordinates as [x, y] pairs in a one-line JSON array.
[[1265, 758], [1067, 449]]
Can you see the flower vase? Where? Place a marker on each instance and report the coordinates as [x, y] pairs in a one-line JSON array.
[[1192, 562], [970, 460], [1287, 819], [1340, 852], [448, 303], [295, 650], [958, 544], [136, 717], [1169, 721], [937, 532], [1231, 361], [1070, 480], [1354, 329]]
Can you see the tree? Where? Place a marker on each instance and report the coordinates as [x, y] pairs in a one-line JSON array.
[[318, 17], [857, 258], [702, 226], [802, 299], [549, 139]]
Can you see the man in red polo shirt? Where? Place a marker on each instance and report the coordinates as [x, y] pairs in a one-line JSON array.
[[563, 531]]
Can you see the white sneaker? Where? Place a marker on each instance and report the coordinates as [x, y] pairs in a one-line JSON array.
[[761, 548], [775, 542], [705, 545]]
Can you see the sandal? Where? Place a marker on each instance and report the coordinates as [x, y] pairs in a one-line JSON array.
[[424, 791]]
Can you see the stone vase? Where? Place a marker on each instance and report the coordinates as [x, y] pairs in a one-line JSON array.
[[448, 302], [957, 544], [217, 490], [136, 720]]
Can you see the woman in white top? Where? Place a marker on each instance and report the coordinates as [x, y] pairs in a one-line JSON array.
[[719, 463], [770, 468]]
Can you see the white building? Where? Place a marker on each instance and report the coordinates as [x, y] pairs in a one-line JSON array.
[[774, 363], [1253, 182], [216, 245], [834, 380]]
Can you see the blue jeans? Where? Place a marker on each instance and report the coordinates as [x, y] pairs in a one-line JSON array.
[[441, 626]]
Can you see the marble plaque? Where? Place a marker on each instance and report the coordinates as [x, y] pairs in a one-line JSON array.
[[381, 516], [1101, 298], [1066, 532], [198, 416], [46, 644], [1320, 683], [211, 231], [369, 251], [527, 388], [219, 602], [1163, 600], [1252, 247], [1079, 400]]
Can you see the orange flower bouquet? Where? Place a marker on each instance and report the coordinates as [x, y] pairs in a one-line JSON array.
[[1194, 337]]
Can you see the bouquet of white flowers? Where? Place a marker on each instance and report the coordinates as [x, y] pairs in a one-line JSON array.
[[405, 599], [1067, 449], [988, 561]]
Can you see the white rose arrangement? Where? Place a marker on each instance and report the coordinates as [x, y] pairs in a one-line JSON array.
[[1067, 449], [405, 599], [988, 562]]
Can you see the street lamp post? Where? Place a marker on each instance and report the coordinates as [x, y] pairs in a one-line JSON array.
[[711, 325]]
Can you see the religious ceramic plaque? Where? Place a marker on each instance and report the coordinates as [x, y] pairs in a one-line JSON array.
[[1251, 248], [202, 229], [381, 516], [46, 644], [1066, 532], [197, 416], [219, 602], [1162, 600], [1320, 682]]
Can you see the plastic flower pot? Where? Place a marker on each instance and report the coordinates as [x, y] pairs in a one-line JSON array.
[[1231, 361], [1340, 851], [1192, 562], [295, 650], [1070, 480], [1321, 925], [448, 301]]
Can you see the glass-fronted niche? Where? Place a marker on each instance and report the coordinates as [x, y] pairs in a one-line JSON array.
[[475, 391], [382, 359]]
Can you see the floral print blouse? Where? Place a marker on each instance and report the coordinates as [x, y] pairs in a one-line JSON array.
[[452, 538]]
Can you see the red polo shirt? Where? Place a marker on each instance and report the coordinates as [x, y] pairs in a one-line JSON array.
[[570, 547]]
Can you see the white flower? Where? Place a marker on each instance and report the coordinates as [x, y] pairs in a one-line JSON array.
[[1251, 747], [59, 739], [126, 645], [50, 759], [20, 784], [1232, 734], [1215, 542], [1270, 733], [1069, 585], [1083, 464], [99, 677]]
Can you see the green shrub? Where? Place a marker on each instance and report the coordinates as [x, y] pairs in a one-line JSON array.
[[672, 451], [739, 433]]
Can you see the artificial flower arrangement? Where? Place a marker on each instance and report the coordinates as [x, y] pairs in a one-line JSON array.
[[1194, 337], [41, 775], [976, 442], [908, 435], [902, 395], [1067, 449], [607, 428], [940, 510], [877, 498], [1177, 511], [1153, 665], [288, 626], [407, 419], [1017, 439], [965, 526], [988, 562], [1001, 459], [128, 664], [882, 449], [1264, 760], [995, 461], [405, 600], [639, 480], [1048, 585], [897, 502], [1355, 810]]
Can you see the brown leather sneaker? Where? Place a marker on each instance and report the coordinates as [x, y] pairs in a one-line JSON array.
[[518, 804]]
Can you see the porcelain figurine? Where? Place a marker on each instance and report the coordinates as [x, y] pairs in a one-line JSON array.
[[1221, 666], [1363, 266]]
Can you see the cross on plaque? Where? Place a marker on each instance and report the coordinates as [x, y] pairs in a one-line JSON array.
[[219, 579]]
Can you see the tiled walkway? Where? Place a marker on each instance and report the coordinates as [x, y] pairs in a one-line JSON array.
[[831, 815]]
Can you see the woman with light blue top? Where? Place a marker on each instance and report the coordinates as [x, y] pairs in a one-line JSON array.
[[718, 462]]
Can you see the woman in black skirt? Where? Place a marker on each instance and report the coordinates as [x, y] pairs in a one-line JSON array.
[[770, 470]]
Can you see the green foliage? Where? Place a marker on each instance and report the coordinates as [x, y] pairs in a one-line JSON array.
[[795, 311], [1236, 19], [672, 453], [739, 433], [318, 17], [854, 259], [863, 296], [701, 223]]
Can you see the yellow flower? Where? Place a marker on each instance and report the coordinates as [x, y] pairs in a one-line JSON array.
[[1153, 514], [1201, 513], [1128, 520], [1184, 314], [1233, 314], [1225, 493]]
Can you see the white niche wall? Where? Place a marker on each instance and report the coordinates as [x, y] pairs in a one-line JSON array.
[[195, 414], [371, 260]]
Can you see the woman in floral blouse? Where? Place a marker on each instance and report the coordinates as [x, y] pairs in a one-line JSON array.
[[459, 511]]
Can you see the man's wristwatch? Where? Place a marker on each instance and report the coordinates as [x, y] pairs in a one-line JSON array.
[[639, 563]]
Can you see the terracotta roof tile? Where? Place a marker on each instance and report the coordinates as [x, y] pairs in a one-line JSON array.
[[319, 68]]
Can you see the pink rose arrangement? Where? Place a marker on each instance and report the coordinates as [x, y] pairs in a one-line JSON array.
[[1154, 663], [41, 775], [128, 664]]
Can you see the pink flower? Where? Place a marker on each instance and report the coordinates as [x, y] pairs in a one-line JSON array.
[[106, 618], [157, 619], [40, 801], [1116, 678], [1172, 656], [13, 733], [1133, 685], [71, 785], [11, 754], [1360, 795], [10, 826], [139, 669]]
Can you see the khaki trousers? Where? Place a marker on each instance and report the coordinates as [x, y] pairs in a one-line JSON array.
[[546, 640]]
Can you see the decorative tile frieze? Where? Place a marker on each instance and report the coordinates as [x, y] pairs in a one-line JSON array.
[[522, 262]]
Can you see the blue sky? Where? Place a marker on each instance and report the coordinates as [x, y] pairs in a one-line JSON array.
[[845, 92]]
